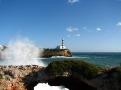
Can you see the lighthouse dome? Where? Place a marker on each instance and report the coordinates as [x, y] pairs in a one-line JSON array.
[[62, 46]]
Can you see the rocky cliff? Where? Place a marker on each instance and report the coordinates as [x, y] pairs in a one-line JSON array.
[[75, 75], [79, 75], [56, 52], [11, 77]]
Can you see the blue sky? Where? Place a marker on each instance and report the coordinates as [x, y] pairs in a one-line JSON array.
[[85, 25]]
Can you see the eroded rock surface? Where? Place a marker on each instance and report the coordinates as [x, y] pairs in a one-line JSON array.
[[27, 77], [11, 77]]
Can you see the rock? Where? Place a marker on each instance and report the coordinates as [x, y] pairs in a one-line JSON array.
[[84, 77], [11, 77], [79, 75], [56, 52]]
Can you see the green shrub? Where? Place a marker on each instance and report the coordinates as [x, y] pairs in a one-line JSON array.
[[80, 68]]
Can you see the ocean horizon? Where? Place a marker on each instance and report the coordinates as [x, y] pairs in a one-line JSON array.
[[104, 59]]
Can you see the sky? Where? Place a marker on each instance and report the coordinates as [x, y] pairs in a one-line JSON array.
[[85, 25]]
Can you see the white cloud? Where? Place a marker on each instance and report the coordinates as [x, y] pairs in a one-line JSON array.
[[118, 24], [78, 35], [98, 29], [73, 1], [84, 28], [72, 29]]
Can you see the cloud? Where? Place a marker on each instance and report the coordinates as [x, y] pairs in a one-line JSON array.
[[78, 35], [73, 1], [72, 32], [84, 28], [71, 29], [98, 29], [118, 24]]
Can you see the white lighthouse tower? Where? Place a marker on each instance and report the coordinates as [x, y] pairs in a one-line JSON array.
[[62, 46]]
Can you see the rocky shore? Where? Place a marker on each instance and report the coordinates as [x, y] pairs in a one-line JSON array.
[[80, 75], [11, 77], [56, 52], [74, 75]]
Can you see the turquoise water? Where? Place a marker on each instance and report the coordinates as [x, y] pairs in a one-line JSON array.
[[102, 59]]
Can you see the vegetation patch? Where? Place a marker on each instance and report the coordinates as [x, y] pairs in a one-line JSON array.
[[75, 68]]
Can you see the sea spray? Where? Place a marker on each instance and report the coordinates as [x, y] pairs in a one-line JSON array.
[[47, 87], [21, 51]]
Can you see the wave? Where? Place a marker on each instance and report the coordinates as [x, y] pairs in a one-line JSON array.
[[65, 57], [85, 57]]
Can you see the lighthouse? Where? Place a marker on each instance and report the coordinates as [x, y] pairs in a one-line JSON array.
[[62, 46]]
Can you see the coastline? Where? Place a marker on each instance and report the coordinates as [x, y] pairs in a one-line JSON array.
[[90, 77]]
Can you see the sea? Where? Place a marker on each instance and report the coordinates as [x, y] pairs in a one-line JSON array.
[[105, 59]]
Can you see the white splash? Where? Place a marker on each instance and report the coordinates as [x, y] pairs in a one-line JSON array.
[[47, 87], [21, 52]]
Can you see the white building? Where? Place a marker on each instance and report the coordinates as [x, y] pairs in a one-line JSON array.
[[61, 46]]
